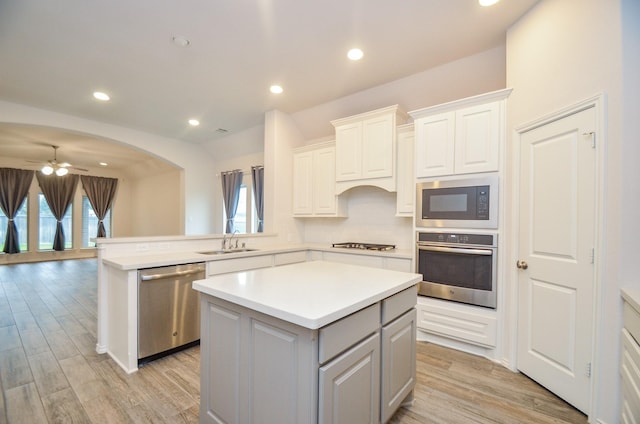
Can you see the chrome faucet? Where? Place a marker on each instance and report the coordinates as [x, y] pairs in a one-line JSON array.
[[224, 241]]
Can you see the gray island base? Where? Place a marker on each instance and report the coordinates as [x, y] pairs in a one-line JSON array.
[[314, 342]]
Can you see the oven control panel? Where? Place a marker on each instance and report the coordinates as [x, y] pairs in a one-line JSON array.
[[457, 238]]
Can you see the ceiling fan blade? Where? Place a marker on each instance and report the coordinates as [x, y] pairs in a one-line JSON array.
[[75, 168]]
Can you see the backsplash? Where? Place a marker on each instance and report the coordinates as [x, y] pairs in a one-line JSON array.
[[371, 219]]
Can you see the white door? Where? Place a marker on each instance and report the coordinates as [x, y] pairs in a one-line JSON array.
[[557, 236]]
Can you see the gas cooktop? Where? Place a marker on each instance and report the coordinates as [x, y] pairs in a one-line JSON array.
[[364, 246]]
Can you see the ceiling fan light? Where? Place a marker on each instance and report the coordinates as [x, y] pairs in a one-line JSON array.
[[47, 170], [61, 171]]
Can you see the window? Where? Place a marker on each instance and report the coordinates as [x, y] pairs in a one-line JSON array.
[[245, 220], [90, 223], [240, 220], [21, 223], [47, 226]]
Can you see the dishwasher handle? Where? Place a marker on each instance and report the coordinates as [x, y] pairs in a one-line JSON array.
[[151, 277]]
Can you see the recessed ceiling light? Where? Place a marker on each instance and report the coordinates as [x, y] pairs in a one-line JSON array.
[[101, 96], [355, 54], [194, 122], [181, 41], [487, 2], [103, 163], [276, 89]]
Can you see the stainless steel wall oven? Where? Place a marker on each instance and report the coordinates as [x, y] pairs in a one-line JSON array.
[[458, 267]]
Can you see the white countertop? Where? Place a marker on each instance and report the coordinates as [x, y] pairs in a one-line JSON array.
[[632, 296], [309, 294], [157, 259]]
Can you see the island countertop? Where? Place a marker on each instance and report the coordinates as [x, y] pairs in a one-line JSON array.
[[308, 294]]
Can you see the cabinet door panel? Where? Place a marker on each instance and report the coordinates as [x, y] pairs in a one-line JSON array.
[[220, 363], [324, 199], [398, 362], [477, 139], [303, 183], [377, 147], [434, 144], [274, 382], [348, 152], [349, 386], [404, 170]]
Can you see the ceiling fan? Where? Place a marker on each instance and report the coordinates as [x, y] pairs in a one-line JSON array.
[[60, 168]]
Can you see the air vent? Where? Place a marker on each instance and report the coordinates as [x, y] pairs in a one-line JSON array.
[[222, 131]]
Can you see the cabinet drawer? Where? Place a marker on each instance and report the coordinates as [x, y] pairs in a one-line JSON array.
[[339, 336], [238, 264], [399, 303], [290, 258], [630, 370]]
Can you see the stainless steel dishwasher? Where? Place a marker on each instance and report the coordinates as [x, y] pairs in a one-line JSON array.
[[168, 310]]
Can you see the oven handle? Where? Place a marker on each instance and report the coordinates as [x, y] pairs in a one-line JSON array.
[[482, 252]]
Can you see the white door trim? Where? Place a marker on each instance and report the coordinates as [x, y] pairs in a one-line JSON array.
[[599, 103]]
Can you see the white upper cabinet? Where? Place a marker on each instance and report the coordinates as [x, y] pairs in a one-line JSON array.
[[434, 144], [477, 141], [366, 149], [460, 137], [314, 182], [406, 186]]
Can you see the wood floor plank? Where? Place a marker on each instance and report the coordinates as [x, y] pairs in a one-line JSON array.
[[25, 321], [61, 344], [24, 405], [47, 373], [3, 407], [70, 383], [9, 338], [64, 407], [6, 317], [33, 342], [15, 368]]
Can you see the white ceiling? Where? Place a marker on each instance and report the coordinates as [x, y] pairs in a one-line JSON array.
[[54, 54]]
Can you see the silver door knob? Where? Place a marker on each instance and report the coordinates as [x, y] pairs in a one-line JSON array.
[[522, 265]]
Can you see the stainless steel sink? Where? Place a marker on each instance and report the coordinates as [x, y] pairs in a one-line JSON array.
[[226, 251]]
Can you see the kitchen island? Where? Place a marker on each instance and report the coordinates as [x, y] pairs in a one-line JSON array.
[[306, 343]]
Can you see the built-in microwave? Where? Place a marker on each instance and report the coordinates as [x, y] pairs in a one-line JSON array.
[[458, 203]]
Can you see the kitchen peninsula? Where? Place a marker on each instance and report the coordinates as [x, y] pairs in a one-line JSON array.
[[309, 342]]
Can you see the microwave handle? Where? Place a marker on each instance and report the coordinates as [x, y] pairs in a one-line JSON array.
[[483, 252]]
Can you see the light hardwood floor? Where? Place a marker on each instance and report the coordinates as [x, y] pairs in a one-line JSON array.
[[50, 372]]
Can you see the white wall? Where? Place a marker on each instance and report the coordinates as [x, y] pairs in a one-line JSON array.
[[560, 53], [155, 205], [192, 158], [240, 150], [476, 74]]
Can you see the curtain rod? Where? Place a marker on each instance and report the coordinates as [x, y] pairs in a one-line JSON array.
[[244, 172]]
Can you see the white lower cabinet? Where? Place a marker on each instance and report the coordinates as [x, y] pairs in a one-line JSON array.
[[630, 362], [469, 324], [257, 368]]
